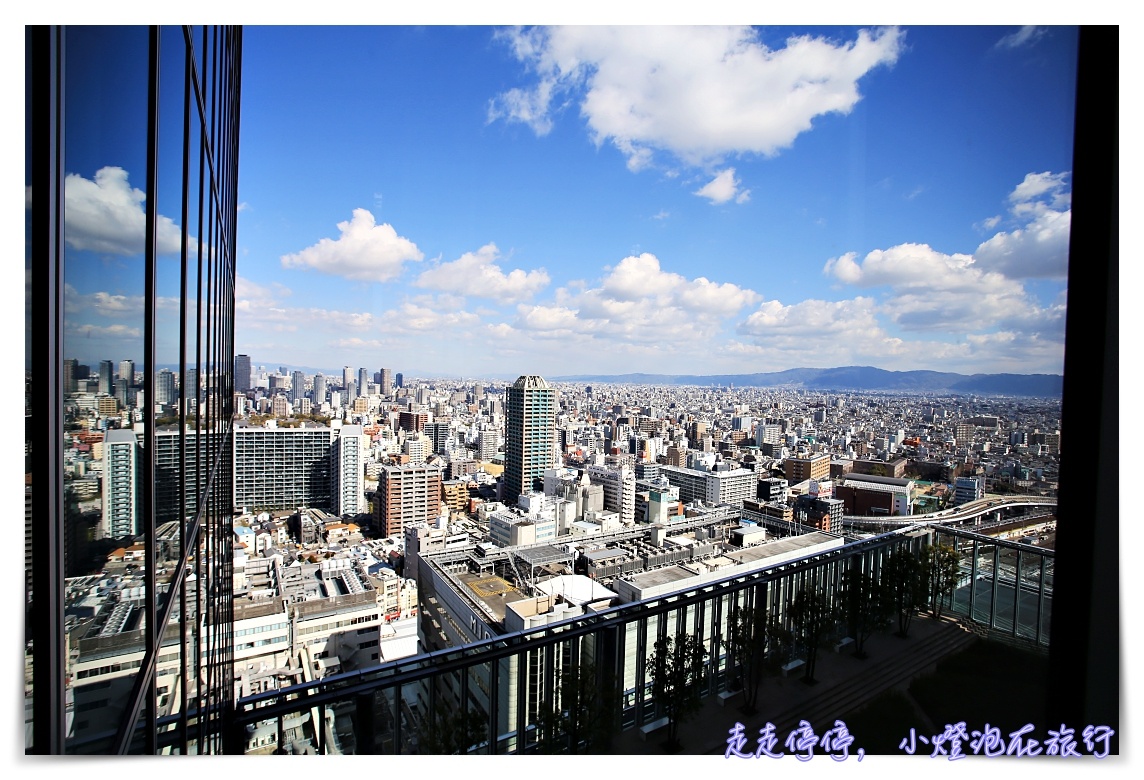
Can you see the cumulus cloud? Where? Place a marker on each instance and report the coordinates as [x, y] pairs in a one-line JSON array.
[[930, 290], [477, 274], [825, 319], [106, 215], [261, 307], [365, 251], [723, 188], [698, 93], [637, 302], [1038, 245], [1026, 36]]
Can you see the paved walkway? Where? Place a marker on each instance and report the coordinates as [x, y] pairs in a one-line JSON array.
[[844, 684]]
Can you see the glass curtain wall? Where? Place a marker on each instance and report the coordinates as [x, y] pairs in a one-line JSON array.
[[132, 185]]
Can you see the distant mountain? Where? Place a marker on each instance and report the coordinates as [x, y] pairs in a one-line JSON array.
[[854, 378]]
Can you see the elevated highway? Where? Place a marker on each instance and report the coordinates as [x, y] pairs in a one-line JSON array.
[[983, 510]]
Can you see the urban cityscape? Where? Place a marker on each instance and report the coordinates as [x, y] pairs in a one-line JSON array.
[[654, 502]]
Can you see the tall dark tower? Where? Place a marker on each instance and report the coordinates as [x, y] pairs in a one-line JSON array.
[[530, 430], [241, 373]]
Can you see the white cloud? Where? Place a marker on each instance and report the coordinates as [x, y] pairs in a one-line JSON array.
[[259, 307], [698, 93], [1040, 249], [1029, 34], [1038, 246], [365, 251], [637, 302], [723, 188], [812, 320], [119, 332], [933, 291], [477, 274], [106, 215]]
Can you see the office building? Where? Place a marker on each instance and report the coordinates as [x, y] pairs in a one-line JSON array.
[[318, 395], [363, 381], [530, 435], [349, 388], [106, 378], [968, 489], [165, 388], [800, 469], [242, 373], [297, 387], [386, 381], [171, 628]]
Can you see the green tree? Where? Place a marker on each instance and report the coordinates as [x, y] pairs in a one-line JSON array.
[[748, 641], [902, 575], [864, 607], [942, 564], [677, 671], [579, 715], [451, 733], [810, 615]]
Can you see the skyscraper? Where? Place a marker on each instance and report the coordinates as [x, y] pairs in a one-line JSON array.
[[349, 390], [348, 471], [168, 622], [297, 387], [530, 433], [164, 387], [386, 381], [242, 373], [120, 487], [106, 379], [319, 392], [362, 381]]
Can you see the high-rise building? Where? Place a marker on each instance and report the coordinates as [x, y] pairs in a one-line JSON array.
[[619, 485], [348, 471], [120, 484], [127, 371], [386, 381], [399, 379], [297, 387], [158, 643], [349, 389], [165, 387], [106, 378], [282, 468], [406, 495], [530, 435], [71, 366], [318, 395], [363, 381], [242, 373]]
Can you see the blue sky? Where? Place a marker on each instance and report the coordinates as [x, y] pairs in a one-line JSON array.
[[484, 201]]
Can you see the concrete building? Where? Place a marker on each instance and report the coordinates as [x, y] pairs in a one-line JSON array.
[[120, 484], [530, 434], [348, 472], [282, 468], [407, 495], [800, 469], [619, 490]]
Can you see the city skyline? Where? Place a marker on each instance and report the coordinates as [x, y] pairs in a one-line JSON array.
[[492, 209]]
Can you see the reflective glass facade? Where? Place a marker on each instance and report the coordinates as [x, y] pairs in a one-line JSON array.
[[132, 183]]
